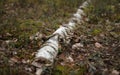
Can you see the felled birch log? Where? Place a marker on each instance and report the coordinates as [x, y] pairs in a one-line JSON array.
[[48, 52]]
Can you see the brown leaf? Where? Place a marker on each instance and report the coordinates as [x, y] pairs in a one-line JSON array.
[[98, 45], [77, 45], [115, 72], [14, 60]]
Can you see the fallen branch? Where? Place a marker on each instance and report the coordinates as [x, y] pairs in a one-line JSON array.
[[48, 52]]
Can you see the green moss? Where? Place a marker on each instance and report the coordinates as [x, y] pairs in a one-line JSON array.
[[96, 31], [61, 70], [68, 70]]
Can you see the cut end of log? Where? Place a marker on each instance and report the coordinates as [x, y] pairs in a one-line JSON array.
[[39, 62]]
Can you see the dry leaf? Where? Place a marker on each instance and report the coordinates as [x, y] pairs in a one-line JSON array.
[[115, 72], [77, 45], [69, 59], [98, 45]]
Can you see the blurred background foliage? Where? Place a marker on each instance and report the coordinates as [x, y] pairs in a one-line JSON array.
[[21, 18], [99, 10]]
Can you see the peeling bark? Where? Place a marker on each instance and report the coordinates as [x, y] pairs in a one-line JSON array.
[[47, 53]]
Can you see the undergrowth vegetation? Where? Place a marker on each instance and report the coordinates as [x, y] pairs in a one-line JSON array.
[[20, 19], [104, 10], [103, 26]]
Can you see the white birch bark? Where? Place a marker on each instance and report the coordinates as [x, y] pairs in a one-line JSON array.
[[47, 53]]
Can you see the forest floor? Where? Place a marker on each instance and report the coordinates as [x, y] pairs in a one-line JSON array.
[[94, 47]]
